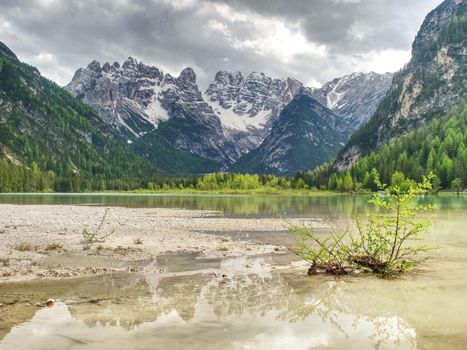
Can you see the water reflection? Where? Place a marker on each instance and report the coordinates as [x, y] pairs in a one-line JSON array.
[[239, 304], [331, 310], [263, 205], [248, 303]]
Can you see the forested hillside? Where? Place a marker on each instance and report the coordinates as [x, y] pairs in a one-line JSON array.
[[431, 84], [51, 141], [438, 147], [420, 126]]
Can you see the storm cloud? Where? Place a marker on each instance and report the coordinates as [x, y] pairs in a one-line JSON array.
[[311, 40]]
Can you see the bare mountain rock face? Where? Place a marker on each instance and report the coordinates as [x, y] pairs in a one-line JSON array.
[[248, 106], [354, 97], [136, 99], [303, 136], [230, 119], [128, 97]]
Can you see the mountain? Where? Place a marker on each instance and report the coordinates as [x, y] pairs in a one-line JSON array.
[[247, 106], [43, 128], [127, 97], [299, 140], [146, 106], [354, 97], [304, 135], [231, 118], [211, 130], [429, 85], [192, 125]]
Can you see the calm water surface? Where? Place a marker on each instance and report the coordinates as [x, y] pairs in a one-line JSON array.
[[241, 303]]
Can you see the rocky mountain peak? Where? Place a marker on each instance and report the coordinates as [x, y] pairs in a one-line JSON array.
[[187, 75], [94, 66], [257, 94], [130, 63], [247, 106], [232, 117], [354, 97], [258, 76], [5, 50], [435, 21], [122, 94], [106, 67], [226, 77], [136, 98]]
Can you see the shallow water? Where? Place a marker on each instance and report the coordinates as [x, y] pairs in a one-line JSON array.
[[248, 303]]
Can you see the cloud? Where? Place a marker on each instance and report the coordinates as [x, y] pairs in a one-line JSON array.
[[311, 40]]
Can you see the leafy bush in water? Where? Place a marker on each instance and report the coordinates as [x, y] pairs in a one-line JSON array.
[[384, 244]]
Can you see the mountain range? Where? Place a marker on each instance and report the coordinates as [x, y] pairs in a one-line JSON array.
[[133, 120], [232, 118]]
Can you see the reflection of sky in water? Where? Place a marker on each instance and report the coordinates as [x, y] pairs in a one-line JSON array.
[[223, 318], [253, 307], [241, 303]]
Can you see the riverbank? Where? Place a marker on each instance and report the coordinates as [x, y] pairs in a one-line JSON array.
[[47, 241], [258, 191]]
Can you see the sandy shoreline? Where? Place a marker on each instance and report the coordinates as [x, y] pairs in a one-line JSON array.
[[46, 241]]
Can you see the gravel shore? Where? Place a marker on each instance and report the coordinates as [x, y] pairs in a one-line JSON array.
[[47, 241]]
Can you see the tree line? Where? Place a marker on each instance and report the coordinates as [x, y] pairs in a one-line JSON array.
[[438, 148]]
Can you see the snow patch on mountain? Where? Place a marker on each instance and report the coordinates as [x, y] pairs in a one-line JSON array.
[[240, 122], [354, 97], [248, 106]]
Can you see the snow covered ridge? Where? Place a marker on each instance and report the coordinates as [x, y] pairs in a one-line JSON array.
[[127, 97], [249, 103], [236, 112], [354, 97], [132, 95]]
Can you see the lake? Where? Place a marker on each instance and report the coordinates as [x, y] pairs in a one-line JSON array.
[[192, 305]]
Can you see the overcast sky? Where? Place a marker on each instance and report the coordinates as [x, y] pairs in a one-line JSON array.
[[313, 41]]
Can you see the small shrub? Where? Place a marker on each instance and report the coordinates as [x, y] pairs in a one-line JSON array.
[[328, 254], [54, 246], [96, 236], [23, 247], [5, 261], [138, 241], [125, 250], [383, 243]]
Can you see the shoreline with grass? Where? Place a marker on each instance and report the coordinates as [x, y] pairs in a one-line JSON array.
[[193, 191]]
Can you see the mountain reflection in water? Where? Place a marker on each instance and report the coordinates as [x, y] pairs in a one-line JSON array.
[[238, 303]]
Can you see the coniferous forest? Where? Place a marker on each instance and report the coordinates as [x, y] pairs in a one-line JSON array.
[[439, 147]]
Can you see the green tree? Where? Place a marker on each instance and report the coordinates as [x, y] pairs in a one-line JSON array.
[[347, 182], [456, 185]]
